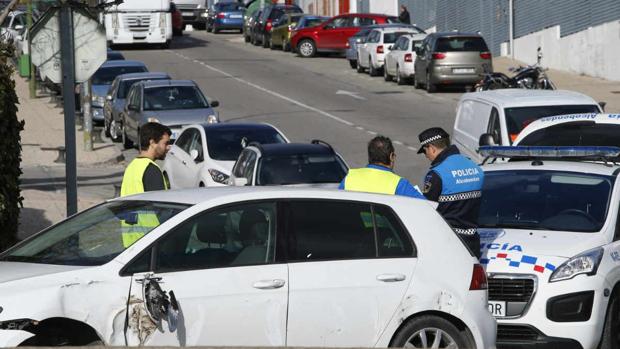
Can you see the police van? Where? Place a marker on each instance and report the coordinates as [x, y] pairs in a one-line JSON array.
[[550, 241]]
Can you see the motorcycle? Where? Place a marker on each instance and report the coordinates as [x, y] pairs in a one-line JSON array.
[[528, 77]]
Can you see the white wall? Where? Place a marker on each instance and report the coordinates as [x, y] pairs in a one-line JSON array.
[[594, 51], [318, 7], [389, 7]]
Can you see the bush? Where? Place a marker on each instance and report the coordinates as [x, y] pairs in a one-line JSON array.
[[10, 150]]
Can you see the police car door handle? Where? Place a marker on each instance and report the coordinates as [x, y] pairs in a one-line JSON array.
[[269, 284], [391, 277]]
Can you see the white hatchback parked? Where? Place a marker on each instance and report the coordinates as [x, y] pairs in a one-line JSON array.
[[258, 266], [204, 154], [399, 62], [371, 54]]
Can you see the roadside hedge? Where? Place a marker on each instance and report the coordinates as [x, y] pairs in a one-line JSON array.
[[10, 151]]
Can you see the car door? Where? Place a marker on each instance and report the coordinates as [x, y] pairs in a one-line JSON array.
[[222, 279], [179, 153], [332, 33], [350, 264]]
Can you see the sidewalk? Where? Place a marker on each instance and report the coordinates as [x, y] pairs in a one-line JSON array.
[[600, 89], [43, 180]]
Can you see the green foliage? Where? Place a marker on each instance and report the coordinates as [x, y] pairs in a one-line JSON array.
[[10, 151]]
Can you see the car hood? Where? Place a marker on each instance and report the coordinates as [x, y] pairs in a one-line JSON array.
[[314, 185], [180, 116], [12, 271], [531, 251], [100, 90]]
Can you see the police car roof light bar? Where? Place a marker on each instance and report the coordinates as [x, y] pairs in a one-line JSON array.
[[549, 152]]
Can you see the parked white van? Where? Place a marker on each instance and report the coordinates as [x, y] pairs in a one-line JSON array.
[[498, 116]]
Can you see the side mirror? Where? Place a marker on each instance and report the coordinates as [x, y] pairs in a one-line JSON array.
[[486, 139], [602, 104], [195, 155], [133, 107], [215, 104], [240, 182], [108, 97]]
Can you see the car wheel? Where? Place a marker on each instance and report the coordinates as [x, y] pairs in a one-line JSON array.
[[399, 79], [201, 185], [353, 63], [358, 66], [127, 143], [106, 127], [372, 71], [306, 48], [428, 331], [115, 131], [430, 87], [610, 338], [386, 75], [266, 41]]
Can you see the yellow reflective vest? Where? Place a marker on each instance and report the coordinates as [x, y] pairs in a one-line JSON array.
[[132, 184], [371, 180]]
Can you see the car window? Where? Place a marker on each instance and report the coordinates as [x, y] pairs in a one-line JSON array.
[[105, 76], [518, 118], [575, 134], [300, 169], [390, 38], [185, 139], [95, 236], [545, 200], [196, 144], [135, 97], [340, 22], [226, 145], [494, 128], [239, 168], [362, 21], [242, 234], [248, 171], [392, 238], [461, 44]]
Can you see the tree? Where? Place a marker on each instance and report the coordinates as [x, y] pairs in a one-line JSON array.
[[10, 151]]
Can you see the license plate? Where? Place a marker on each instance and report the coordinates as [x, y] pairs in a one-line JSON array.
[[236, 16], [463, 70], [187, 14], [497, 309]]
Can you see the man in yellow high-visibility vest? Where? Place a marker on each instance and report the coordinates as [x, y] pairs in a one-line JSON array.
[[143, 174], [378, 176]]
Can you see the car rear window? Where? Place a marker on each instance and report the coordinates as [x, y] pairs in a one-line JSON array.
[[461, 44], [226, 145], [390, 38], [300, 169], [575, 134], [105, 76], [518, 118]]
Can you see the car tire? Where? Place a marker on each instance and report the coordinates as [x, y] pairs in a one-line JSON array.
[[399, 79], [425, 329], [353, 63], [386, 75], [266, 41], [609, 338], [306, 48], [127, 143], [372, 71], [115, 132], [430, 87], [358, 67]]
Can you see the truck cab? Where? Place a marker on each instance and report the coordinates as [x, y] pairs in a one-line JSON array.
[[139, 22]]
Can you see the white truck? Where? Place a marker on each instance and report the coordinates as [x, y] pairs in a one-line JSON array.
[[139, 22]]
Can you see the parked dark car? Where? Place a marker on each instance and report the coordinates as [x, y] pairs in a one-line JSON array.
[[262, 28], [225, 15]]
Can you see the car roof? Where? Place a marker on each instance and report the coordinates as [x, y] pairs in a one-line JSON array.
[[195, 196], [294, 149], [599, 168], [122, 63], [163, 83], [455, 34], [392, 28], [225, 126], [518, 97], [146, 75], [363, 15], [556, 120]]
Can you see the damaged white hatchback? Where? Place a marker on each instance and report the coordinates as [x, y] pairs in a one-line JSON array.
[[257, 266]]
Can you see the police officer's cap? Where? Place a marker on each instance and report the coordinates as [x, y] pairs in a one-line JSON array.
[[430, 135]]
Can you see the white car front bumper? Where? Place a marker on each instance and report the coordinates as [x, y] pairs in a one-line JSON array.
[[13, 338]]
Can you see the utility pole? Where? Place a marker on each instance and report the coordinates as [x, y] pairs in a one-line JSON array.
[[68, 88], [32, 83]]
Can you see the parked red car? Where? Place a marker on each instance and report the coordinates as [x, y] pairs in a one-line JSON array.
[[333, 35]]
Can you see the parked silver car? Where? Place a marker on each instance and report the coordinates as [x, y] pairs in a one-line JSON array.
[[173, 103], [448, 59], [115, 101]]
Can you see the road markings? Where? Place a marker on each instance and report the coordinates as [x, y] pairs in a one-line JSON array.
[[350, 94], [290, 100]]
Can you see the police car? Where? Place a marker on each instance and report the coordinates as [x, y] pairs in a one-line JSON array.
[[550, 244], [572, 129]]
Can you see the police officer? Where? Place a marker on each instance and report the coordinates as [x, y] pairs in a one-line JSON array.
[[143, 174], [455, 182], [378, 176]]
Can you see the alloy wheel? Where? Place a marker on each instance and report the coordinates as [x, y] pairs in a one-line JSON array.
[[431, 338]]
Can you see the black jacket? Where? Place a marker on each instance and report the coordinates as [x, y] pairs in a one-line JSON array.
[[403, 17]]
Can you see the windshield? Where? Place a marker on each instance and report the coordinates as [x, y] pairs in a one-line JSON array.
[[174, 97], [518, 118], [390, 38], [302, 168], [105, 76], [226, 145], [123, 89], [586, 134], [461, 44], [545, 200], [95, 236]]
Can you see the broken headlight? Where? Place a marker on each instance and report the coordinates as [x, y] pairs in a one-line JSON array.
[[18, 324]]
